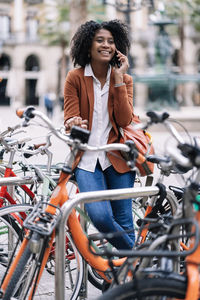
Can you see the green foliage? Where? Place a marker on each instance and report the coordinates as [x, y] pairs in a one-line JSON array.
[[187, 9], [54, 24], [96, 10], [196, 15]]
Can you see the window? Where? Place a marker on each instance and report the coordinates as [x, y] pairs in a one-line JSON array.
[[32, 63], [32, 28], [4, 27], [4, 62], [32, 2]]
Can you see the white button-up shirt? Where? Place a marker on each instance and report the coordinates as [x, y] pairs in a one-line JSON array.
[[101, 124]]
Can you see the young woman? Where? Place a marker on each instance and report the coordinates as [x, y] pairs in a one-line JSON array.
[[98, 95]]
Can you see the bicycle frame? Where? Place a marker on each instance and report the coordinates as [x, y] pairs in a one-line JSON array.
[[10, 178], [8, 173]]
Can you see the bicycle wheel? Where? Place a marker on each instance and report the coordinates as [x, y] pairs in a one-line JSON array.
[[46, 290], [168, 209], [170, 205], [148, 289], [22, 280], [10, 233]]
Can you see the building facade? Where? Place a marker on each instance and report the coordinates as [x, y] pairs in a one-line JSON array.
[[28, 67]]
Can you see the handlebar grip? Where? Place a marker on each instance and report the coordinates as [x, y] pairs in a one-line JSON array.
[[157, 118], [20, 112], [157, 159], [26, 112]]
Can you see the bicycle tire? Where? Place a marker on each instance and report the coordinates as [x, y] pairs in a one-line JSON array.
[[21, 267], [148, 289], [10, 233], [94, 278]]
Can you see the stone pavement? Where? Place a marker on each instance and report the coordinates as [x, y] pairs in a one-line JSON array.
[[190, 117]]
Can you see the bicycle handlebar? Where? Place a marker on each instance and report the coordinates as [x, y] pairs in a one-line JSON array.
[[79, 137], [156, 118], [36, 149], [9, 130], [185, 155], [30, 112]]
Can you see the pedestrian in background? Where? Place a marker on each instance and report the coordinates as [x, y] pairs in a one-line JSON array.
[[98, 95], [49, 102]]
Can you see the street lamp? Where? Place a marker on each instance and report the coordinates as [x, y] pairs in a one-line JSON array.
[[126, 7]]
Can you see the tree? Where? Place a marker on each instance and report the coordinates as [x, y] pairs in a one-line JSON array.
[[187, 12], [78, 14], [54, 28]]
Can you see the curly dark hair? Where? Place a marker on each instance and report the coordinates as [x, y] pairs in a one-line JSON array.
[[82, 40]]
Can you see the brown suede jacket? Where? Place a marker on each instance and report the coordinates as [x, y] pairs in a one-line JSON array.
[[79, 101]]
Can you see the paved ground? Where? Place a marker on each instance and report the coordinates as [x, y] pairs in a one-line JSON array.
[[161, 139]]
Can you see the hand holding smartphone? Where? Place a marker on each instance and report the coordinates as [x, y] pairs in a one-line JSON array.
[[116, 60]]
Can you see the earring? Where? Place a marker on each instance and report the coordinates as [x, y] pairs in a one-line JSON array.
[[89, 55]]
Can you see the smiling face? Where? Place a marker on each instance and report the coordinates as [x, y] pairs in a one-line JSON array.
[[103, 47]]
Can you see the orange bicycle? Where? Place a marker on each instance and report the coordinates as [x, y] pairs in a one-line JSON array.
[[23, 276]]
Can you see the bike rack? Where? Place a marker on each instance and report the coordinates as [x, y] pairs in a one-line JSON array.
[[87, 197], [16, 180]]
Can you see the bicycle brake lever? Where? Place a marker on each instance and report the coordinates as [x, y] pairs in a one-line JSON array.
[[156, 118]]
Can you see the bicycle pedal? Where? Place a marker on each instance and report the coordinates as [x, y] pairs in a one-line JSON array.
[[42, 222]]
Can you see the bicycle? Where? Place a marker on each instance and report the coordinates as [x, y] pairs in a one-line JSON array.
[[57, 199], [11, 225], [11, 145], [147, 283]]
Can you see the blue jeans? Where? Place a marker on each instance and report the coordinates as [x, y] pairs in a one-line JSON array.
[[109, 216]]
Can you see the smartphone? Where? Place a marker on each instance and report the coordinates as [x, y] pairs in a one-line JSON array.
[[116, 60]]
